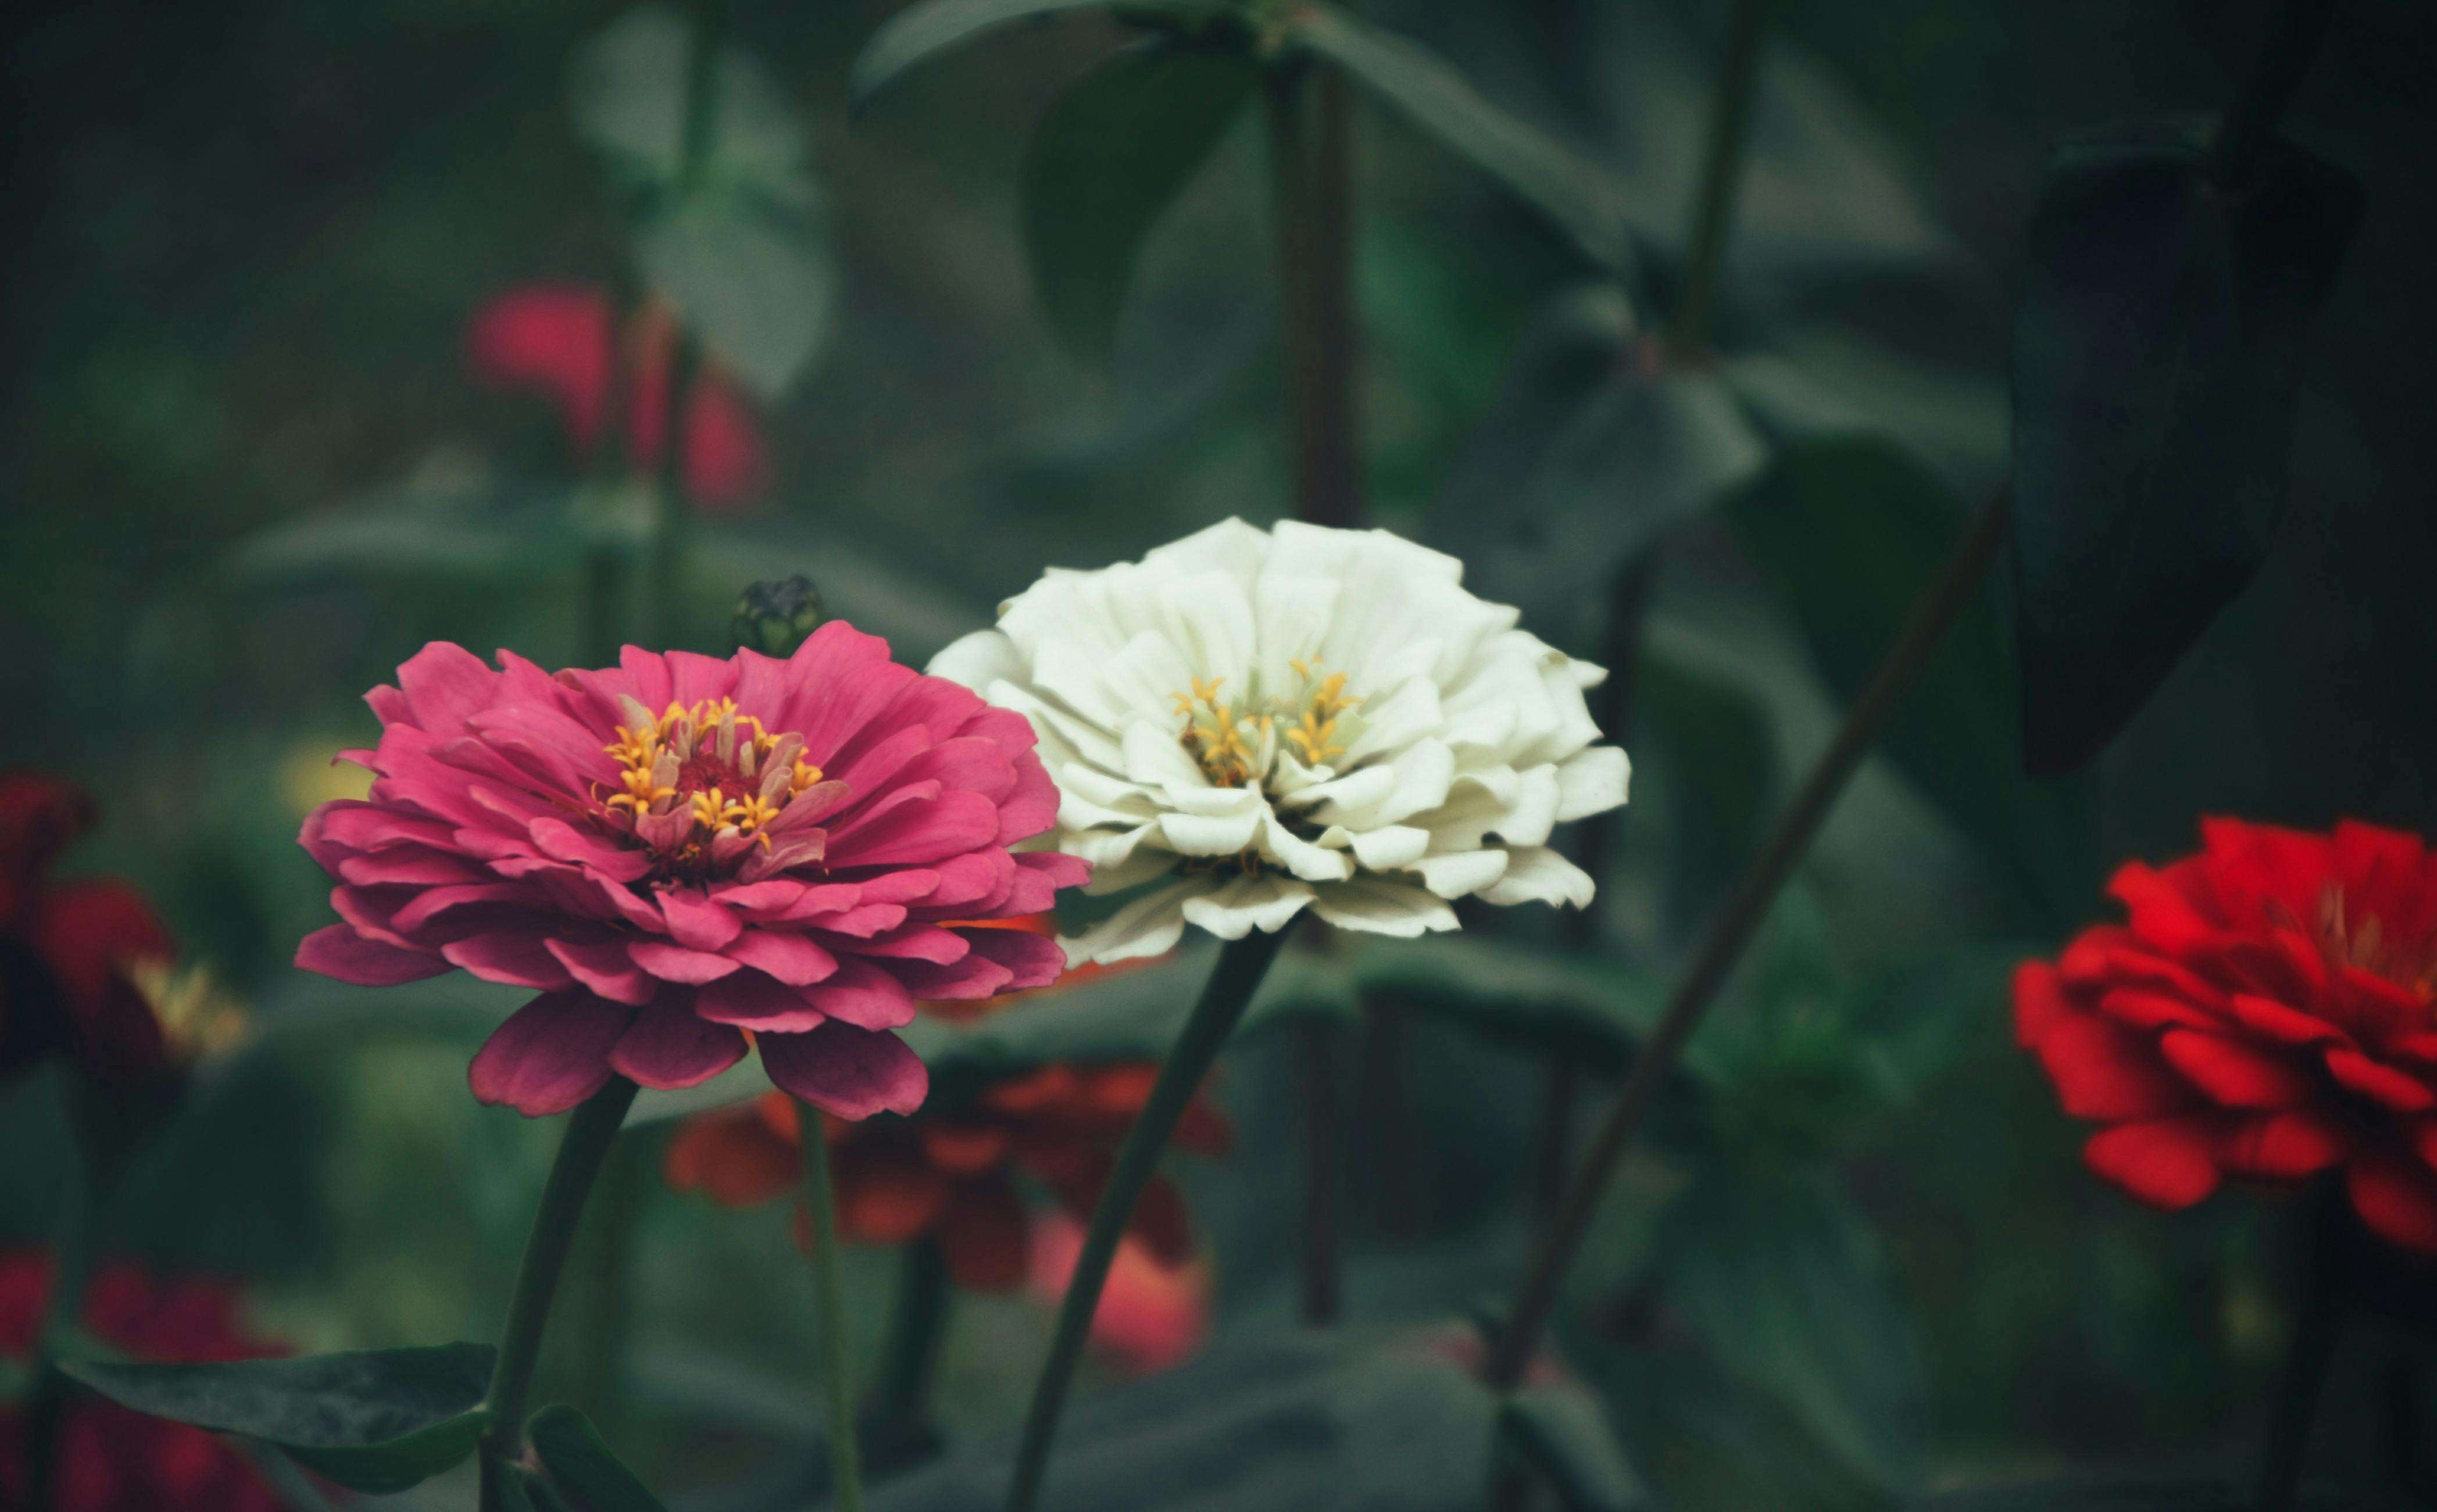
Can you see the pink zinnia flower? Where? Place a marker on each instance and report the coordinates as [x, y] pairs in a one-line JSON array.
[[788, 850]]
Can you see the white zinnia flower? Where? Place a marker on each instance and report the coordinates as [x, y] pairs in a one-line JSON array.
[[1266, 721]]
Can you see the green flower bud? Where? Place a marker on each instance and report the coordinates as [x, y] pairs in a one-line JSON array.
[[773, 618]]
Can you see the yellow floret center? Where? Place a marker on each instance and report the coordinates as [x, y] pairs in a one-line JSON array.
[[1236, 742]]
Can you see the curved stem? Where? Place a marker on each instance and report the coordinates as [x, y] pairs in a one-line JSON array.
[[1242, 965], [901, 1396], [1731, 931], [837, 1373], [1722, 172], [1309, 194], [590, 1131]]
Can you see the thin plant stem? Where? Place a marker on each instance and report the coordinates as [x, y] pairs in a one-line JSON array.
[[606, 560], [1309, 189], [2275, 79], [75, 1240], [1389, 1115], [1722, 169], [698, 137], [608, 1276], [829, 1304], [1233, 981], [592, 1129], [1322, 1201], [2324, 1224], [901, 1396], [1732, 930]]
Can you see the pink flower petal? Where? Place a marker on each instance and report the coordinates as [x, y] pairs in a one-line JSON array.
[[445, 685], [1032, 960], [337, 951], [550, 1055], [607, 970], [756, 1002], [863, 995], [790, 959], [669, 1047], [674, 963], [518, 960], [698, 920], [849, 1072], [917, 833]]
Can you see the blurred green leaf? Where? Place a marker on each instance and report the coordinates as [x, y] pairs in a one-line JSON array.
[[753, 272], [1437, 100], [1565, 1435], [1710, 750], [1353, 1419], [1703, 1440], [1108, 157], [1585, 1009], [583, 1465], [741, 246], [924, 31], [377, 1420], [466, 528], [1788, 1287], [2158, 352], [1850, 530]]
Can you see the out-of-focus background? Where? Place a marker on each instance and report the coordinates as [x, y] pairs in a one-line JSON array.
[[304, 305]]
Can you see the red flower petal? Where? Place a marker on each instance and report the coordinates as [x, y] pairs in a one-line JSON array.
[[2235, 1073], [2277, 1021], [2396, 1199], [986, 1238], [2167, 1162], [550, 1055], [2396, 1089], [733, 1156], [2103, 1070], [2284, 1145]]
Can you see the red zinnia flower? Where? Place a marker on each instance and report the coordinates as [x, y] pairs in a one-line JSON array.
[[2265, 1012], [952, 1176], [112, 1459], [67, 947], [1152, 1314], [556, 338], [794, 850]]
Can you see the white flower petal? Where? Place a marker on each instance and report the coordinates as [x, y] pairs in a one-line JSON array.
[[1376, 906], [979, 659], [1149, 926], [1156, 758], [1462, 875], [1534, 873], [1592, 780], [1242, 904], [1205, 835], [1305, 860], [1388, 849]]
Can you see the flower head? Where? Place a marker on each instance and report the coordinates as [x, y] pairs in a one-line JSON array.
[[1266, 721], [1152, 1314], [71, 952], [680, 851], [2268, 1011], [112, 1459], [558, 339], [952, 1176]]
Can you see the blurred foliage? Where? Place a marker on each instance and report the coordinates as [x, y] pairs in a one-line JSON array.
[[1858, 1262]]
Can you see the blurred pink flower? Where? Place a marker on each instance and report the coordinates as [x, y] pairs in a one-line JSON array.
[[1152, 1314], [555, 339], [788, 854]]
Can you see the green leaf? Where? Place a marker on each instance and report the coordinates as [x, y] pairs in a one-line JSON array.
[[1358, 1420], [1587, 1009], [377, 1420], [583, 1465], [1708, 749], [1850, 530], [741, 245], [1432, 96], [930, 27], [751, 271], [1108, 157], [1565, 1433], [1786, 1285], [2158, 352]]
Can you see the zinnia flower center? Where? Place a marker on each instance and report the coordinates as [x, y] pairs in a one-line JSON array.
[[1236, 744], [2363, 943], [700, 786]]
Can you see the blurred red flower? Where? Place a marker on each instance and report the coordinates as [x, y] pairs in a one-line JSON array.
[[556, 340], [952, 1176], [2265, 1012], [67, 947], [112, 1459], [1152, 1315]]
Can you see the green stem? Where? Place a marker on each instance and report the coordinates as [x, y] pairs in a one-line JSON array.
[[592, 1129], [1309, 186], [900, 1395], [74, 1236], [1722, 171], [2326, 1229], [1322, 1265], [1225, 998], [698, 137], [837, 1373], [1731, 932]]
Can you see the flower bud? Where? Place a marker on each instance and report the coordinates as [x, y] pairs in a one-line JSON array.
[[774, 617]]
